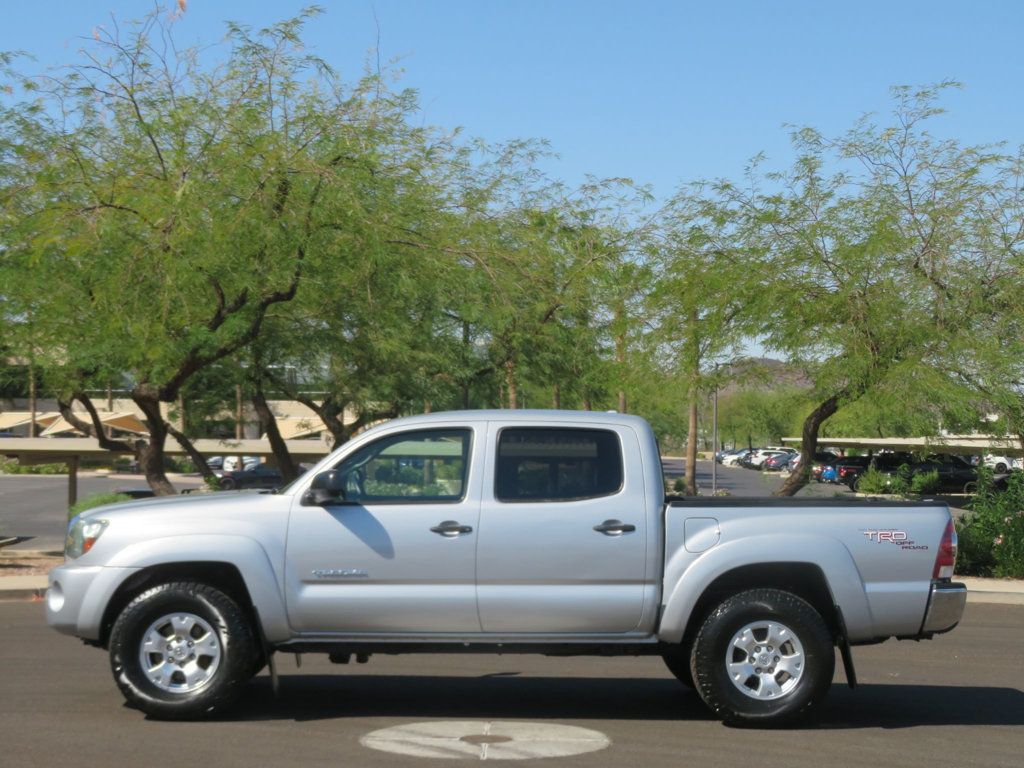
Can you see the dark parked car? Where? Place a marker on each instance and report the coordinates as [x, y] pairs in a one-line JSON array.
[[956, 475], [260, 476], [777, 463], [849, 468]]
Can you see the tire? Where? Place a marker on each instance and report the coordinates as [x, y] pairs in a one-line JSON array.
[[179, 681], [228, 484], [971, 487], [678, 662], [1000, 468], [803, 646]]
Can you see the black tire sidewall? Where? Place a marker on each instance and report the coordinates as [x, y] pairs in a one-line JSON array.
[[678, 663], [713, 640], [228, 621]]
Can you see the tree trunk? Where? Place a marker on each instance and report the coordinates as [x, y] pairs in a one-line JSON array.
[[285, 463], [197, 458], [510, 381], [809, 446], [467, 348], [587, 405], [238, 412], [32, 401], [691, 446], [150, 454], [620, 355], [694, 390], [556, 397]]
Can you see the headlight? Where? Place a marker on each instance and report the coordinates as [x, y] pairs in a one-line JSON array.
[[82, 535]]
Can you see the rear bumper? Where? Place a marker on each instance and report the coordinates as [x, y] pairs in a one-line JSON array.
[[945, 607]]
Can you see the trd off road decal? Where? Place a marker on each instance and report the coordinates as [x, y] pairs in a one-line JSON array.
[[891, 536]]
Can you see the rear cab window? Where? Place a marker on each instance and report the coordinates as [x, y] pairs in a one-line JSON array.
[[557, 464]]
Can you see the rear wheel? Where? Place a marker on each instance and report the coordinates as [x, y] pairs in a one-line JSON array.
[[228, 483], [182, 651], [763, 658], [1000, 468]]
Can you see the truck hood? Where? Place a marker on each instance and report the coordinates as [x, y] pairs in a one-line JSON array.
[[224, 500]]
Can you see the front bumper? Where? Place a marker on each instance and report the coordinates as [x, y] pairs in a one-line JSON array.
[[78, 595], [945, 607]]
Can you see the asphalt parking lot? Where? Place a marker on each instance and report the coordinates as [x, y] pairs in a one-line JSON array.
[[35, 506], [957, 701]]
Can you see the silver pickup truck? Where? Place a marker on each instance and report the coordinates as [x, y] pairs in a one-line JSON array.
[[502, 532]]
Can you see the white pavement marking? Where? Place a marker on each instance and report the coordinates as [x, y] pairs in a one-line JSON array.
[[485, 740]]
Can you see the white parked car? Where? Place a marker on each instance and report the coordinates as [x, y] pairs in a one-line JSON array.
[[759, 458], [732, 459], [1003, 464]]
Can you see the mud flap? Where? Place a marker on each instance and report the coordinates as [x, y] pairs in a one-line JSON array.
[[845, 650]]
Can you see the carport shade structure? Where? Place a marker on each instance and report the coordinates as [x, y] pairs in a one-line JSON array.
[[969, 444], [68, 450]]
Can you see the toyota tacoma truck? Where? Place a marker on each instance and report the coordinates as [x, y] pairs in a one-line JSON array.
[[543, 532]]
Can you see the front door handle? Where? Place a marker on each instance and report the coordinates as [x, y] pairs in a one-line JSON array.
[[614, 528], [451, 528]]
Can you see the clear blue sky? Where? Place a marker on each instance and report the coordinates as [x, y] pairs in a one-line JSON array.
[[661, 91]]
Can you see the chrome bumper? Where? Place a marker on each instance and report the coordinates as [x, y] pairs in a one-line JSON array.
[[945, 607]]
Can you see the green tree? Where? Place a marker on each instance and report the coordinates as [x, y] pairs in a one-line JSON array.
[[163, 206], [867, 264], [697, 308]]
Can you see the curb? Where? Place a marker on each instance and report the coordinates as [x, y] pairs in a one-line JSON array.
[[22, 595]]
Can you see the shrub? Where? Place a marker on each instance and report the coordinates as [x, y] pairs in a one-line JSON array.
[[13, 467], [925, 482], [992, 534], [96, 500], [679, 485], [873, 481]]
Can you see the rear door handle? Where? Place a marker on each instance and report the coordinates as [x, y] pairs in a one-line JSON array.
[[614, 528], [451, 528]]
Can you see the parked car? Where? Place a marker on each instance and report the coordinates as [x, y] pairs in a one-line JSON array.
[[849, 468], [760, 457], [1002, 464], [822, 460], [734, 459], [722, 455], [258, 476], [745, 599], [777, 463], [955, 473]]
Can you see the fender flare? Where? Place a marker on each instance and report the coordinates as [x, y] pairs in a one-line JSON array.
[[831, 556], [245, 554]]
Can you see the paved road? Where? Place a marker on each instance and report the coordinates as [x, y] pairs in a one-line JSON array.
[[36, 505], [955, 701]]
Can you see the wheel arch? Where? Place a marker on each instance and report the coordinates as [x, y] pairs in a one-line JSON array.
[[236, 565], [805, 580], [828, 581], [220, 575]]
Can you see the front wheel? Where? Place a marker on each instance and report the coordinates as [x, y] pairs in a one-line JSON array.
[[678, 663], [763, 658], [182, 651]]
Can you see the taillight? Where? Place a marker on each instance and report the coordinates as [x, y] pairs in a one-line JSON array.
[[946, 558]]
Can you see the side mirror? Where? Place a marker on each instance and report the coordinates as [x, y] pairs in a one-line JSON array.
[[327, 487]]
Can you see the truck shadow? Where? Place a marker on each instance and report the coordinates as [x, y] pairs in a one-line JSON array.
[[323, 697]]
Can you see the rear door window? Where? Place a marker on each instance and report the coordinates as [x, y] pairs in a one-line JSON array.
[[541, 464]]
